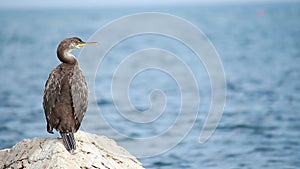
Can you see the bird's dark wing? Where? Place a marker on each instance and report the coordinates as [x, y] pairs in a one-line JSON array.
[[51, 94], [79, 93]]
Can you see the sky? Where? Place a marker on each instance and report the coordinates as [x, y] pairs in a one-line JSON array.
[[105, 3]]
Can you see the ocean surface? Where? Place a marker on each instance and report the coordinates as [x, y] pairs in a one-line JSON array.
[[258, 44]]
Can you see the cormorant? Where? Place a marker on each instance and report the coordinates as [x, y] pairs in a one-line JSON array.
[[66, 93]]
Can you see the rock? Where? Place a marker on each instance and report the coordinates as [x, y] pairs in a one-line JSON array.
[[92, 152]]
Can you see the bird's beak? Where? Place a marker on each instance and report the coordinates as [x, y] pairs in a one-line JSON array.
[[86, 44]]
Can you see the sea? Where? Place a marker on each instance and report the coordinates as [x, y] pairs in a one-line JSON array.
[[257, 44]]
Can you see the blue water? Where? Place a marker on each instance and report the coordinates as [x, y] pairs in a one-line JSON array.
[[259, 48]]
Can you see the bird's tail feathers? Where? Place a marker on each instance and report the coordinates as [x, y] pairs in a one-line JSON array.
[[69, 141]]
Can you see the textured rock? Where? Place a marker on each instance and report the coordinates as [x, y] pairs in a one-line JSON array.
[[92, 152]]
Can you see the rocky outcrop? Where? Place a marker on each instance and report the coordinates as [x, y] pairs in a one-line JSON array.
[[92, 152]]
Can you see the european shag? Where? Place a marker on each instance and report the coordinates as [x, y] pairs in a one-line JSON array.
[[66, 93]]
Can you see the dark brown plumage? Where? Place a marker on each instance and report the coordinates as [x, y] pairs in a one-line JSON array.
[[66, 94]]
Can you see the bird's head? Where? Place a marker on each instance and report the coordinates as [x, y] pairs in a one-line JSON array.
[[70, 44], [67, 45]]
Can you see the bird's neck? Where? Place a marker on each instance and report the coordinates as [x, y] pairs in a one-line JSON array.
[[66, 56]]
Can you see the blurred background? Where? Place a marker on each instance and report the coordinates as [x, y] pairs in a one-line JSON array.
[[258, 43]]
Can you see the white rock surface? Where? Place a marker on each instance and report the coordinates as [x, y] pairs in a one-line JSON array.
[[92, 152]]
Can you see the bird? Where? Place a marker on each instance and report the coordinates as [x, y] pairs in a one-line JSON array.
[[65, 98]]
